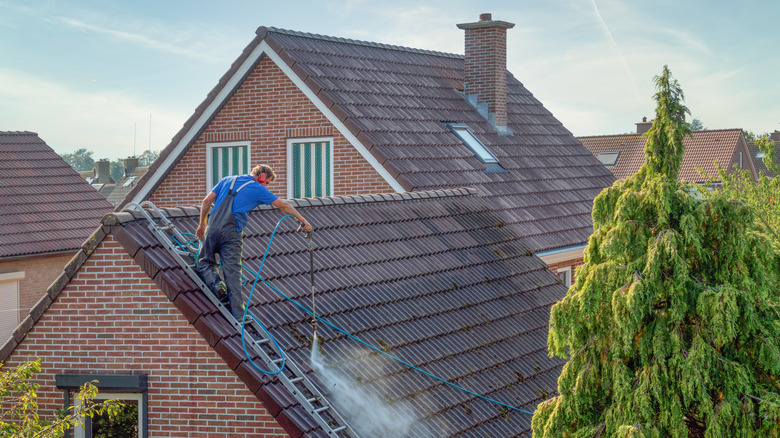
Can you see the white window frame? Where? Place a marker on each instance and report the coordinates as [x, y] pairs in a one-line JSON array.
[[13, 278], [135, 396], [215, 145], [473, 143], [566, 270], [290, 172]]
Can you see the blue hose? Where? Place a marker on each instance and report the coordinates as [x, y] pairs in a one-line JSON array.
[[349, 335]]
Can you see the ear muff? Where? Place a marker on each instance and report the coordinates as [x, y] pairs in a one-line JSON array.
[[263, 177]]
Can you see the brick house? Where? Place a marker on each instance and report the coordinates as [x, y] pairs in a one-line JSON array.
[[46, 212], [624, 154], [338, 117], [435, 278]]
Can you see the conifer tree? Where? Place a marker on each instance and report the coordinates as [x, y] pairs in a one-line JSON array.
[[672, 327]]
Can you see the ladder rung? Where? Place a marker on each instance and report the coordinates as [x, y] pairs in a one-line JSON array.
[[277, 360], [339, 429], [296, 380], [312, 400], [325, 408], [263, 341]]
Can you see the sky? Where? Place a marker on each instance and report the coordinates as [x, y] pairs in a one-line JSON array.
[[118, 77]]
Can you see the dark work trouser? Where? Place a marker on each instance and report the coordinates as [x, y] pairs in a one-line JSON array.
[[223, 239]]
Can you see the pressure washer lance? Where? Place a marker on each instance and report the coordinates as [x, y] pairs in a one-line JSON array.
[[309, 237]]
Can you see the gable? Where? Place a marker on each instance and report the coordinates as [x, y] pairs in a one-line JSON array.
[[266, 112], [111, 318]]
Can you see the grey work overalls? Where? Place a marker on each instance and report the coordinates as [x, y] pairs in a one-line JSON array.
[[222, 238]]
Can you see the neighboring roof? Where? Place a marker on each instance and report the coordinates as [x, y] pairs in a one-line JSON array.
[[757, 155], [126, 185], [393, 104], [701, 151], [435, 278], [45, 206]]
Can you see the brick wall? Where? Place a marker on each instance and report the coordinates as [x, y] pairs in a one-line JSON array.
[[267, 110], [485, 68], [39, 273], [111, 318], [574, 264]]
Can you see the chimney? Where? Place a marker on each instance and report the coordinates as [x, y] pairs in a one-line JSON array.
[[103, 172], [130, 164], [485, 66], [643, 126], [775, 136]]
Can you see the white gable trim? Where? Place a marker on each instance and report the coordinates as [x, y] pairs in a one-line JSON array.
[[224, 94]]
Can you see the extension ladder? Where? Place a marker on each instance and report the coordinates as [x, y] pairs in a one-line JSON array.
[[296, 381]]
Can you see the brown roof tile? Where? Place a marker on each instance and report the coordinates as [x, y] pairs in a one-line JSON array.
[[433, 277], [45, 206], [701, 151]]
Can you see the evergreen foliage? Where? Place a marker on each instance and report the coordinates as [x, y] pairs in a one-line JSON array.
[[673, 325]]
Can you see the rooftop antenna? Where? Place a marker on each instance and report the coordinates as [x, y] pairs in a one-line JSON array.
[[150, 132], [135, 129]]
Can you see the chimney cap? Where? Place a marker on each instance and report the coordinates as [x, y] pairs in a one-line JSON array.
[[486, 20]]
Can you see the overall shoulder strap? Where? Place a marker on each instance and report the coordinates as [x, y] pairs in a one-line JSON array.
[[232, 183], [243, 185]]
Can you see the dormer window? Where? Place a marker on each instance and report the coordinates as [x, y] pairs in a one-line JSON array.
[[472, 142], [608, 159]]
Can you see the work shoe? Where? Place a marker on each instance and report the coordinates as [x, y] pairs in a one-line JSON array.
[[221, 292]]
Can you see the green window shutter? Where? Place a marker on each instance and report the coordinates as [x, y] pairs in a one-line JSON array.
[[312, 169], [228, 160]]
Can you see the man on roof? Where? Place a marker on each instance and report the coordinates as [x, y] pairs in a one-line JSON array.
[[233, 197]]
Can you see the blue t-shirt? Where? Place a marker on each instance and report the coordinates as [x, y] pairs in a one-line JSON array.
[[248, 198]]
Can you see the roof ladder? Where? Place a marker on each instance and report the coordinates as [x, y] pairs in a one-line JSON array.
[[295, 380]]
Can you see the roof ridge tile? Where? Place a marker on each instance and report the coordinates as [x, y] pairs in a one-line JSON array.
[[266, 30]]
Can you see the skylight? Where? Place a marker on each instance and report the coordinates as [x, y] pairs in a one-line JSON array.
[[608, 158], [467, 137], [128, 182]]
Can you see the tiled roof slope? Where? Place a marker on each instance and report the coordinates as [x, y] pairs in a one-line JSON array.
[[701, 151], [434, 278], [396, 101], [45, 206]]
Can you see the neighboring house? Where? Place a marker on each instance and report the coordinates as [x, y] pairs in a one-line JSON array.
[[339, 117], [114, 191], [435, 278], [624, 154], [46, 213]]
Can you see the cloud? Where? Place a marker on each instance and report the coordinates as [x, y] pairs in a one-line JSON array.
[[178, 47], [67, 120]]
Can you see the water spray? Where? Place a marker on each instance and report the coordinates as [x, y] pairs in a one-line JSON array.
[[315, 341]]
